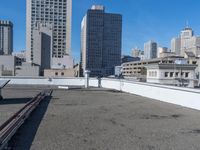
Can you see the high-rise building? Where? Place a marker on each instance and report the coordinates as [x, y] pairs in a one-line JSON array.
[[176, 45], [55, 12], [150, 50], [187, 42], [6, 37], [101, 35]]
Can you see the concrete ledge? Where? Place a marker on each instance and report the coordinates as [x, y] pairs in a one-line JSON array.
[[176, 95], [50, 81], [180, 96]]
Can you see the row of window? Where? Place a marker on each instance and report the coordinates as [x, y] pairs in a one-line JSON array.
[[177, 74], [60, 2], [152, 73], [170, 74], [131, 72]]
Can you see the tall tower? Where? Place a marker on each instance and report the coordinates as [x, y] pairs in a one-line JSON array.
[[101, 35], [56, 13], [6, 37], [150, 50], [176, 45]]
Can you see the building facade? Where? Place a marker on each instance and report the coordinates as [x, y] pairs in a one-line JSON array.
[[127, 58], [42, 45], [101, 35], [27, 70], [187, 42], [137, 68], [7, 65], [176, 45], [161, 50], [60, 73], [20, 57], [6, 37], [172, 74], [150, 50], [55, 12]]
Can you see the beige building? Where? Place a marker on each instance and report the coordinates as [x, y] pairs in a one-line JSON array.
[[137, 68], [60, 73], [167, 54], [57, 13]]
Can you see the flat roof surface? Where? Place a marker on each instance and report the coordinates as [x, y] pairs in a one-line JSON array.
[[101, 119]]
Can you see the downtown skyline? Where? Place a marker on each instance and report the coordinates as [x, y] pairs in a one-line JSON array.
[[141, 21]]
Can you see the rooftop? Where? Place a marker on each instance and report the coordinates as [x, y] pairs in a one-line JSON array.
[[6, 23], [97, 7], [100, 119]]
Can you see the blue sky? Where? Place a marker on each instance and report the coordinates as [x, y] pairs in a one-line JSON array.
[[159, 20]]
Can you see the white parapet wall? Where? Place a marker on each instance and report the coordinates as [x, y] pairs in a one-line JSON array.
[[176, 95], [50, 81]]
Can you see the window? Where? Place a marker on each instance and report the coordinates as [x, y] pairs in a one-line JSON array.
[[150, 73], [187, 74], [166, 74], [171, 74], [56, 73], [177, 74], [155, 73], [62, 74], [182, 73]]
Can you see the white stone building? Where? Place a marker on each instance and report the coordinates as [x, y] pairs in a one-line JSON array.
[[172, 74]]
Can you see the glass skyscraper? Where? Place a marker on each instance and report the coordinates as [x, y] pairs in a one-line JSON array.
[[101, 35]]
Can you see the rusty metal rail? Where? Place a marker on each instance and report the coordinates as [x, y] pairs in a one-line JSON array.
[[10, 127]]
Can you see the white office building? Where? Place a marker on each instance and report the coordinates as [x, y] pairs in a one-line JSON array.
[[176, 45], [187, 42], [150, 50], [55, 12]]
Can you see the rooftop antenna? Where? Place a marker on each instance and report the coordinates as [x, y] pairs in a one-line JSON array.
[[187, 24]]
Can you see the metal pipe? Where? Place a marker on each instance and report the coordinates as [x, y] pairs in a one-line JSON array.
[[10, 127], [87, 75]]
